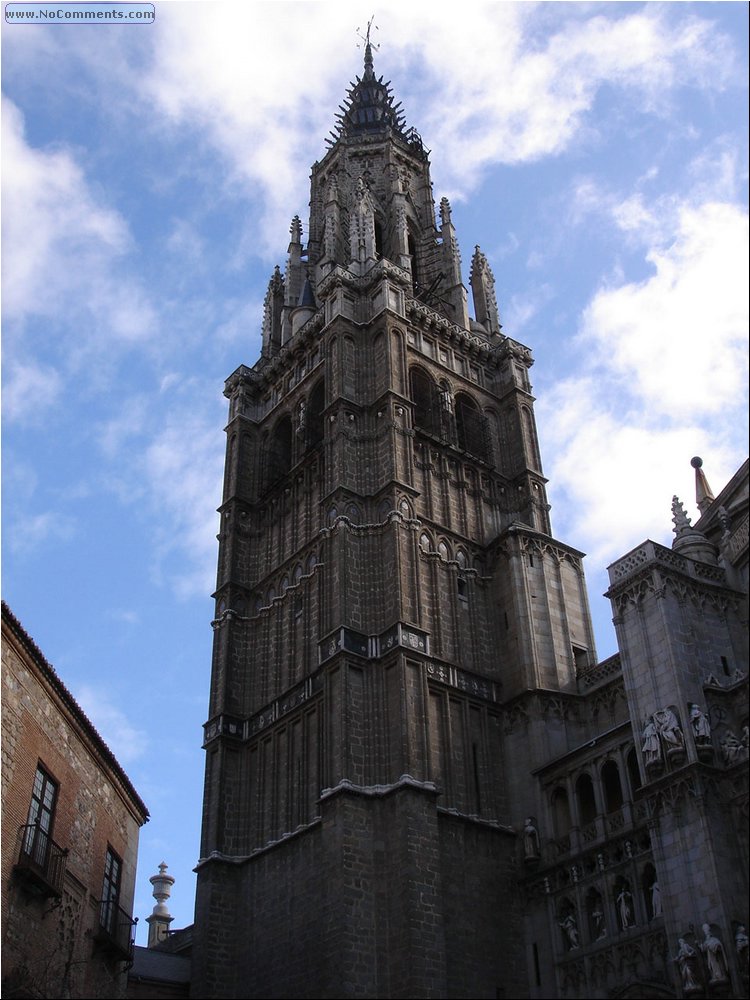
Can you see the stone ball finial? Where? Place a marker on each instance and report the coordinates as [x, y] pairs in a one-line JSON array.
[[696, 462]]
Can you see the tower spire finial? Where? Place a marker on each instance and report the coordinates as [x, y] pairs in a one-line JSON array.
[[369, 71], [704, 496]]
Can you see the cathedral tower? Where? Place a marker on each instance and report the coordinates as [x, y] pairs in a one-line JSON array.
[[387, 583]]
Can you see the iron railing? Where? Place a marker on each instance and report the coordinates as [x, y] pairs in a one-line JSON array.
[[116, 928], [41, 860]]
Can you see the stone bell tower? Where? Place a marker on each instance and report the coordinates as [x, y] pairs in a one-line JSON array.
[[386, 581]]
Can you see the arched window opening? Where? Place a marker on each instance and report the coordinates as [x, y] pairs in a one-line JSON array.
[[414, 266], [612, 786], [378, 239], [279, 452], [471, 427], [586, 800], [315, 406], [424, 396], [560, 812]]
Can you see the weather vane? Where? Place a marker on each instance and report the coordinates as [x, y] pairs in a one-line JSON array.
[[366, 38]]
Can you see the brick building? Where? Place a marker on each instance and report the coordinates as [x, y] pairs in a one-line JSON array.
[[420, 782], [71, 820]]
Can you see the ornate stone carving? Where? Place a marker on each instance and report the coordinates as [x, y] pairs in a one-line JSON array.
[[732, 749], [686, 960], [530, 840], [651, 748], [716, 959], [741, 944], [570, 930], [625, 910]]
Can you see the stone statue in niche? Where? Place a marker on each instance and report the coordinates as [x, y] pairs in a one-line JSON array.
[[656, 909], [713, 949], [530, 840], [687, 962], [600, 928], [741, 944], [669, 729], [731, 748], [700, 725], [625, 908], [570, 929], [651, 748]]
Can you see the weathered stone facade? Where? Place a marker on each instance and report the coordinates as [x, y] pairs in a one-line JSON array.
[[404, 674], [60, 938]]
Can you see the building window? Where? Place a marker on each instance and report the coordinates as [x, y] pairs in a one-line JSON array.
[[315, 410], [612, 786], [586, 800], [38, 832], [424, 395], [110, 902], [471, 428]]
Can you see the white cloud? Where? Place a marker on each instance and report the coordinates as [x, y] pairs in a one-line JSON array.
[[522, 78], [181, 471], [125, 740], [30, 531], [663, 377], [125, 615], [29, 390], [679, 338], [60, 245], [130, 421]]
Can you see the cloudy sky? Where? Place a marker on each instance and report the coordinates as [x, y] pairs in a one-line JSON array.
[[596, 152]]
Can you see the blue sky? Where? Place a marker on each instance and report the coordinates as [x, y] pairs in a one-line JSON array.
[[596, 152]]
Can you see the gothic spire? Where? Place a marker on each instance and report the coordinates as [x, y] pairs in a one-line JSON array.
[[369, 106]]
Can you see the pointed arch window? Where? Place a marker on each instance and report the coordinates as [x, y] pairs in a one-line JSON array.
[[612, 786], [586, 800], [412, 246], [560, 812], [378, 239], [471, 427], [315, 407], [424, 395], [279, 460]]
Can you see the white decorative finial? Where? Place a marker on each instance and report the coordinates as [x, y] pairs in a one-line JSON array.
[[161, 918]]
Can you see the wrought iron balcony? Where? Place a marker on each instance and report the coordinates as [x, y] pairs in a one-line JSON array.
[[116, 932], [41, 862]]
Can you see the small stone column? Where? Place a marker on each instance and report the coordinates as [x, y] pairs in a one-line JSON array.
[[161, 918]]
